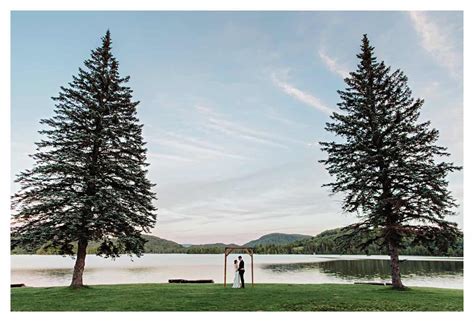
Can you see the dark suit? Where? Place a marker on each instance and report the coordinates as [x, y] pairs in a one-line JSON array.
[[241, 272]]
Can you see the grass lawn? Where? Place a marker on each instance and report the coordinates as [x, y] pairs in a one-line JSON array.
[[213, 297]]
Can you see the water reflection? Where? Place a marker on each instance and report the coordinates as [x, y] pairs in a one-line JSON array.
[[51, 270], [372, 268], [141, 270]]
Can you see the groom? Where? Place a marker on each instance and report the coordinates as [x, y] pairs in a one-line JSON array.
[[241, 271]]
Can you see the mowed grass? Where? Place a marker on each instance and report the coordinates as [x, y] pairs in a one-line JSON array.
[[214, 297]]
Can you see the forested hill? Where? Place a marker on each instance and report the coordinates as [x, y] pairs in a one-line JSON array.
[[153, 245], [325, 243], [161, 246], [276, 239], [276, 243], [216, 248]]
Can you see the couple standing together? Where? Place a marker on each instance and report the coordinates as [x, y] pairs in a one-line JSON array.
[[239, 273]]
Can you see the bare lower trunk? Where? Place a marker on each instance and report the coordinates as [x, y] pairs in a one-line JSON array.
[[395, 265], [80, 263]]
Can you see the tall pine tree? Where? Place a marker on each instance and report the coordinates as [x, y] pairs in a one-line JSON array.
[[387, 163], [88, 182]]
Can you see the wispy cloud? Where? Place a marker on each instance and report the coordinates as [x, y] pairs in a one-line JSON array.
[[333, 65], [236, 130], [169, 157], [436, 40], [285, 120], [194, 148], [300, 95], [277, 199], [217, 122]]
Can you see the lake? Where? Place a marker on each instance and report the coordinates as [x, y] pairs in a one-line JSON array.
[[54, 270]]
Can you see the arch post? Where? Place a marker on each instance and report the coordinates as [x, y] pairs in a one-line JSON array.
[[225, 270]]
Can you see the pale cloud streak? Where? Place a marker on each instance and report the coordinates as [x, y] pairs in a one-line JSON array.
[[436, 41], [194, 148], [168, 157], [241, 208], [216, 122], [236, 130], [300, 95], [333, 65]]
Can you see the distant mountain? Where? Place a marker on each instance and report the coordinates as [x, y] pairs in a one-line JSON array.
[[276, 243], [276, 239], [156, 245], [327, 242]]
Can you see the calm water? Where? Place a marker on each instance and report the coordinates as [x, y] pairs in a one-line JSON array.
[[44, 270]]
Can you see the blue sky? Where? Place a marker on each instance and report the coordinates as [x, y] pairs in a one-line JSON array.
[[234, 102]]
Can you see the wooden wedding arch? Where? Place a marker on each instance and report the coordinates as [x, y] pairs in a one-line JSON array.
[[228, 251]]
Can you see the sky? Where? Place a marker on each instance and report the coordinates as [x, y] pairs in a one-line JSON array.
[[234, 103]]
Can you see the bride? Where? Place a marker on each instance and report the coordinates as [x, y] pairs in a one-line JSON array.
[[236, 276]]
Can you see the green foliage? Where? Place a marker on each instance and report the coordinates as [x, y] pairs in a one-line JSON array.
[[385, 162], [216, 248], [153, 245], [327, 242], [324, 243], [88, 182], [214, 297], [276, 239], [156, 245]]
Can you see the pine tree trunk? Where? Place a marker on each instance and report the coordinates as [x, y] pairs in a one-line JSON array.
[[80, 263], [395, 266]]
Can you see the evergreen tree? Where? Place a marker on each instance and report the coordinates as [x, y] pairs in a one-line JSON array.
[[386, 163], [88, 182]]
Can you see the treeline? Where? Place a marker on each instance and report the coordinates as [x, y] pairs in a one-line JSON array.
[[324, 243], [327, 242], [153, 245]]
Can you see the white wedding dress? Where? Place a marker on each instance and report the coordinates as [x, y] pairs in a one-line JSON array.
[[236, 277]]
